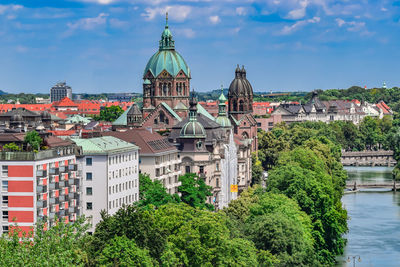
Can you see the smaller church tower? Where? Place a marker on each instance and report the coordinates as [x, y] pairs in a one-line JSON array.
[[134, 116], [240, 95]]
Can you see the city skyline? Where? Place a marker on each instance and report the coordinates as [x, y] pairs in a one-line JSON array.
[[104, 45]]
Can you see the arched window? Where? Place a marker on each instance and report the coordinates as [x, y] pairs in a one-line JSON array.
[[241, 105], [155, 121], [245, 135], [234, 105], [162, 117], [165, 89]]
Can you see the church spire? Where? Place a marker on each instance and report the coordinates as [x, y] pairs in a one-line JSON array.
[[166, 42]]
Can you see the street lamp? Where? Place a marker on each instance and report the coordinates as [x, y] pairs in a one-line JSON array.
[[354, 259]]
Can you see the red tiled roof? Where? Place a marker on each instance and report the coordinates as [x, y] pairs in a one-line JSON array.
[[65, 102], [62, 133], [149, 143]]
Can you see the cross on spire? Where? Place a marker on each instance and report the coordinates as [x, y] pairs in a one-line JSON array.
[[166, 19]]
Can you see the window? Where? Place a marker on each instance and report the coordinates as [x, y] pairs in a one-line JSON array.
[[157, 172], [88, 161], [89, 191], [4, 186], [109, 161], [5, 215], [5, 201], [217, 167], [109, 190], [5, 228], [89, 176], [187, 169], [201, 169], [270, 123], [217, 182], [258, 124], [109, 204], [176, 178], [89, 205], [4, 171]]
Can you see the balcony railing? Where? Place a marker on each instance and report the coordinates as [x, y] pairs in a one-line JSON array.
[[41, 204], [41, 181], [54, 201], [63, 198], [41, 173], [54, 186], [54, 171], [41, 188], [73, 167], [63, 169]]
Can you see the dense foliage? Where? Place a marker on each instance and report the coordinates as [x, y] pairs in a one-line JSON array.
[[109, 113], [33, 140], [59, 245], [304, 164]]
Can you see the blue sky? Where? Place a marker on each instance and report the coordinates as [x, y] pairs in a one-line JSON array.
[[103, 45]]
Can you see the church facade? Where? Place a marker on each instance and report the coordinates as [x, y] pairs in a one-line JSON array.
[[219, 148]]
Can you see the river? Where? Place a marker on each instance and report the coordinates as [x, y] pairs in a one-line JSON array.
[[374, 220]]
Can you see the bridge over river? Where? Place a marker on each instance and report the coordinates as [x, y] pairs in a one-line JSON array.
[[368, 158], [354, 186]]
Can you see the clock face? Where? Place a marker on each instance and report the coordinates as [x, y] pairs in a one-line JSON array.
[[165, 74]]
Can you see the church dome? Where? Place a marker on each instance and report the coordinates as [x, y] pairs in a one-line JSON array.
[[240, 86], [192, 129], [223, 121], [167, 58]]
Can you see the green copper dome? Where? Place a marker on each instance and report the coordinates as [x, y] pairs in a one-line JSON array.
[[193, 128], [167, 58], [223, 121]]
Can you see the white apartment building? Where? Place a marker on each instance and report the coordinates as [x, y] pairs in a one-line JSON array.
[[110, 171], [158, 157]]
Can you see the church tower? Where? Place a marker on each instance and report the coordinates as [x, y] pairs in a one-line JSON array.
[[166, 78], [240, 95], [240, 108]]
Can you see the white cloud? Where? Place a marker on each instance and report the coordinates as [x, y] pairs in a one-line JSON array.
[[241, 11], [187, 32], [384, 9], [5, 8], [294, 27], [89, 23], [300, 12], [340, 22], [116, 23], [355, 26], [101, 2], [214, 19], [176, 12]]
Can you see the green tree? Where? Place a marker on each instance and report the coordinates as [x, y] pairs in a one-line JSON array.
[[153, 192], [302, 175], [256, 169], [121, 251], [63, 244], [110, 113], [194, 191], [33, 139]]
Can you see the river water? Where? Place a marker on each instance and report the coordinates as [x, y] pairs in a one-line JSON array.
[[374, 223]]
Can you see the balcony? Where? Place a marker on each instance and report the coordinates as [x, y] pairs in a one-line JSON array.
[[63, 184], [41, 181], [54, 201], [73, 196], [40, 213], [41, 188], [72, 203], [54, 186], [73, 210], [52, 215], [63, 169], [41, 203], [41, 173], [54, 171], [61, 213], [72, 217], [73, 167], [63, 198]]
